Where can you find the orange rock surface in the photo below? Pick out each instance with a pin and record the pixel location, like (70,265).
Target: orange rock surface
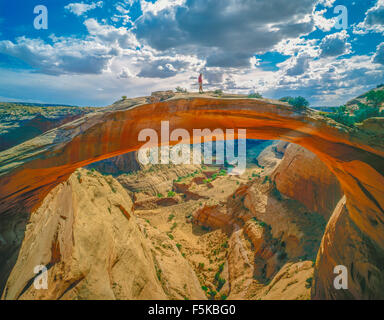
(303,177)
(30,170)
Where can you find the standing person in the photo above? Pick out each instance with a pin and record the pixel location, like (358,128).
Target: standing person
(201,83)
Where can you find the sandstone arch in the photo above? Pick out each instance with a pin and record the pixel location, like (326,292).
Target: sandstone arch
(30,170)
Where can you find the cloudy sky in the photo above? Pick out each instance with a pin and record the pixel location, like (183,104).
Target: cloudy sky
(93,52)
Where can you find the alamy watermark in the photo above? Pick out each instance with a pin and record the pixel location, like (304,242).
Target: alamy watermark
(41,20)
(341,280)
(41,280)
(182,153)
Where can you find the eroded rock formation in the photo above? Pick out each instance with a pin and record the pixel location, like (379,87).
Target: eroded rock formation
(30,170)
(86,235)
(303,177)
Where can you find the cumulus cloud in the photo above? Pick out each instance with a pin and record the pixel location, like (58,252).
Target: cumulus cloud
(299,66)
(80,8)
(321,22)
(108,34)
(163,68)
(374,20)
(379,56)
(64,56)
(226,32)
(159,5)
(335,45)
(125,74)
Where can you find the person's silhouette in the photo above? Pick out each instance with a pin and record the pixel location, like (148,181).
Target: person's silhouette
(201,83)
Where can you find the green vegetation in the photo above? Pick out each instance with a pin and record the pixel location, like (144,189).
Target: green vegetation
(350,117)
(267,179)
(170,236)
(173,226)
(170,217)
(204,288)
(297,102)
(201,265)
(363,112)
(30,110)
(171,194)
(218,279)
(223,297)
(158,272)
(261,223)
(218,91)
(255,95)
(159,195)
(179,246)
(376,98)
(124,97)
(212,294)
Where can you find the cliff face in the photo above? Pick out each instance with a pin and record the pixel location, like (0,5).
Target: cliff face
(93,246)
(302,176)
(31,170)
(344,244)
(121,164)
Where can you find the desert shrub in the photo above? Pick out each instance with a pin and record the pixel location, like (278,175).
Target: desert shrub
(298,102)
(204,288)
(181,90)
(255,95)
(218,91)
(171,194)
(212,294)
(158,273)
(363,112)
(266,179)
(223,297)
(170,217)
(260,223)
(159,195)
(170,236)
(375,97)
(124,97)
(220,284)
(201,265)
(178,245)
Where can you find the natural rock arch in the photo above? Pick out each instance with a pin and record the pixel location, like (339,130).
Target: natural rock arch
(30,170)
